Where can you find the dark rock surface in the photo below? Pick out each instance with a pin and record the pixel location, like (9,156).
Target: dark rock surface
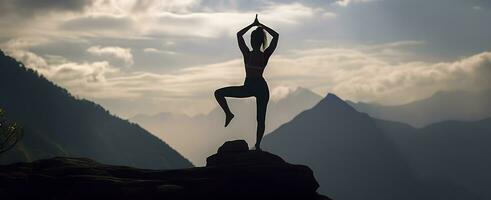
(233,173)
(237,152)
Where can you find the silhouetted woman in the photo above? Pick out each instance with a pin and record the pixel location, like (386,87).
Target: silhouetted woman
(254,85)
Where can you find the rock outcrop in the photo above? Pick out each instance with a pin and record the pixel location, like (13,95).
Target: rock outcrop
(233,173)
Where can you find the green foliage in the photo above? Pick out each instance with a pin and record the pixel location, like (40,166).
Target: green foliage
(10,133)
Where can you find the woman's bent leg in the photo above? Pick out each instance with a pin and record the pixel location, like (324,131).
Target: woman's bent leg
(233,91)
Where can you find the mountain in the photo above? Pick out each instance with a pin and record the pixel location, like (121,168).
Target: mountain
(233,172)
(442,106)
(379,159)
(57,124)
(349,154)
(452,153)
(198,136)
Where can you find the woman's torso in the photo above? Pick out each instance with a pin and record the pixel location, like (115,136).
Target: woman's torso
(255,63)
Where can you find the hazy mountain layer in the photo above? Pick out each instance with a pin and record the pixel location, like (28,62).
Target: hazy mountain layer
(447,156)
(442,106)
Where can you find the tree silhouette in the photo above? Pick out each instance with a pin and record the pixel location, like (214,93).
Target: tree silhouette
(10,133)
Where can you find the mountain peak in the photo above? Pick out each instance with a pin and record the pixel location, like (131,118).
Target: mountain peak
(334,105)
(332,97)
(333,100)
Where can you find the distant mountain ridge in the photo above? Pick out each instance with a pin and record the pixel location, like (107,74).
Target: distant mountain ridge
(349,155)
(57,124)
(448,156)
(355,156)
(442,106)
(207,131)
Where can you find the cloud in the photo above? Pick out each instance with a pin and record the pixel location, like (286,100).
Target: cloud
(348,2)
(179,6)
(355,60)
(98,22)
(218,24)
(123,54)
(53,4)
(351,73)
(153,50)
(29,59)
(32,7)
(18,48)
(149,19)
(359,73)
(73,73)
(280,92)
(83,79)
(364,76)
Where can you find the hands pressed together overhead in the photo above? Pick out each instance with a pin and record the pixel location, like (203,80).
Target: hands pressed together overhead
(256,22)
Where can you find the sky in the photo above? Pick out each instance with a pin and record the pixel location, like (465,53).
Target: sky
(144,57)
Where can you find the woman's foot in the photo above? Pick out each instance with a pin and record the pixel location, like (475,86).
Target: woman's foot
(228,118)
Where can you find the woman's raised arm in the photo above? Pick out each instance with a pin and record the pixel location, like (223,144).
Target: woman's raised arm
(272,46)
(240,39)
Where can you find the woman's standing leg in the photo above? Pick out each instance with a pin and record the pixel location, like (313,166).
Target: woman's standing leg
(233,91)
(261,106)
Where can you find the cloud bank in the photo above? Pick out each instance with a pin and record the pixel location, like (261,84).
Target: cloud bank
(168,55)
(121,53)
(357,73)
